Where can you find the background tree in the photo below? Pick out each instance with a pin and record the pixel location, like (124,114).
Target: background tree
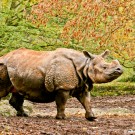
(15,30)
(93,25)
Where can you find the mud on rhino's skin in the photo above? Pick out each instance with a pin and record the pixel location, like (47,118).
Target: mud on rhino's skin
(47,76)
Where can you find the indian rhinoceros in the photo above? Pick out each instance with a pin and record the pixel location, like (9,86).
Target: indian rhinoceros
(47,76)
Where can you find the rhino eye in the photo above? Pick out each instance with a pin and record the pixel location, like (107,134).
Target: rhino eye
(104,67)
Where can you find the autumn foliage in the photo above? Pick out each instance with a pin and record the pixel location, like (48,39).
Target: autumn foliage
(92,24)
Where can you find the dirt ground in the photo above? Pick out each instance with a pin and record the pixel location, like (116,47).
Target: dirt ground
(115,116)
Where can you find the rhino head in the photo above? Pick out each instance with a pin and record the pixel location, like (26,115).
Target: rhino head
(99,71)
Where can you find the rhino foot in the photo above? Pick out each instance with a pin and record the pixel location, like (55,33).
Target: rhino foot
(91,118)
(60,116)
(22,114)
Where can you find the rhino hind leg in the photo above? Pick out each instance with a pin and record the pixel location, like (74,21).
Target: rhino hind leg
(16,101)
(61,99)
(5,83)
(84,99)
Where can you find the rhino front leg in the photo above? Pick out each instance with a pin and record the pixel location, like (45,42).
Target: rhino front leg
(84,99)
(61,99)
(17,102)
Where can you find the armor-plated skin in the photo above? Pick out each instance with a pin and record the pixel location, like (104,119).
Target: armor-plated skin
(49,76)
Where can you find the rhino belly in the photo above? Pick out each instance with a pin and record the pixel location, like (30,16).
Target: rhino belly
(41,96)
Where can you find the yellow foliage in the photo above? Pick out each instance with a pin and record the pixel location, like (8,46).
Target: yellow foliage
(121,9)
(5,4)
(123,41)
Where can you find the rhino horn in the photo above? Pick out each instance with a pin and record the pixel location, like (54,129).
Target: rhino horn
(89,55)
(105,53)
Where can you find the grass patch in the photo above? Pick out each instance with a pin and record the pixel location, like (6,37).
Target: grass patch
(128,79)
(113,89)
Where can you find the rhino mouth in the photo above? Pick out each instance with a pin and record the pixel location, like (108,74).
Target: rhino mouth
(115,74)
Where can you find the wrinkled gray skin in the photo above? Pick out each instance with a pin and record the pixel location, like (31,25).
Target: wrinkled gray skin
(45,77)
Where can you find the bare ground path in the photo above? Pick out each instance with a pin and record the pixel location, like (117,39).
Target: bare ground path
(116,116)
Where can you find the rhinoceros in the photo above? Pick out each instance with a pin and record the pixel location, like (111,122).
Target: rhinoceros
(47,76)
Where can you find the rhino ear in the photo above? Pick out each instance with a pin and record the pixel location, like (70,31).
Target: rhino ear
(105,54)
(89,55)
